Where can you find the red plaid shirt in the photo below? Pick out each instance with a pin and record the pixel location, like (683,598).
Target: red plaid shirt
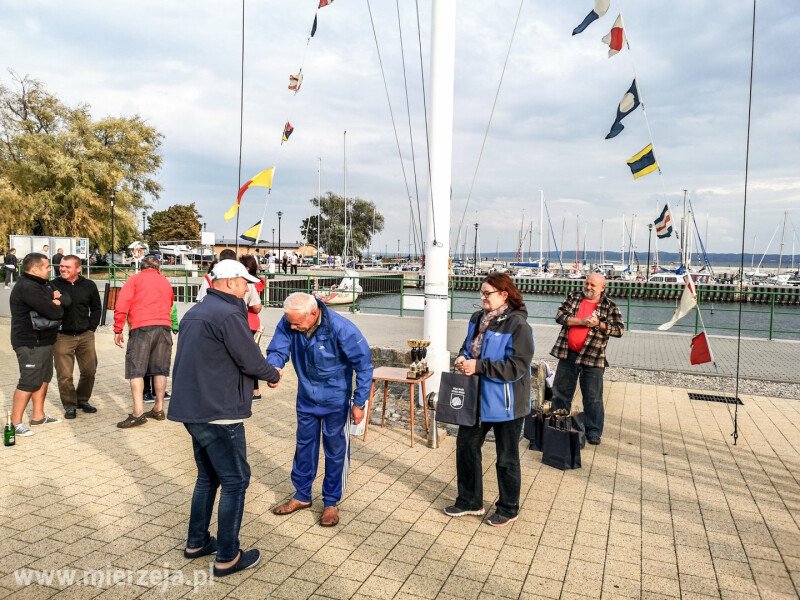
(593,353)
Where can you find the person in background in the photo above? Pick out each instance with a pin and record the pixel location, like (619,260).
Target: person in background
(226,254)
(252,300)
(285,262)
(498,349)
(76,337)
(10,266)
(33,344)
(588,319)
(294,260)
(145,303)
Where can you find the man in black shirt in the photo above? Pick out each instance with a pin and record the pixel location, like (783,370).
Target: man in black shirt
(10,260)
(76,337)
(36,313)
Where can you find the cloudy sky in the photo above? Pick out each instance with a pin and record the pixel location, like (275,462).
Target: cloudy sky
(177,64)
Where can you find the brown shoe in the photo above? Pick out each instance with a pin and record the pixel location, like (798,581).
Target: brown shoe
(158,415)
(330,517)
(132,421)
(290,506)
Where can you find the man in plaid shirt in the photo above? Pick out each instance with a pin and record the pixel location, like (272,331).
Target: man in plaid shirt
(587,318)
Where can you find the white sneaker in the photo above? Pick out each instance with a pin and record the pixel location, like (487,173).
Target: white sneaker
(22,429)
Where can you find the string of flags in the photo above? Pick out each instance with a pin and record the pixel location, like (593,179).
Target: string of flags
(643,162)
(265,177)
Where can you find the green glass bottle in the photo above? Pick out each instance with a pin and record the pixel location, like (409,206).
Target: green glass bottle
(9,437)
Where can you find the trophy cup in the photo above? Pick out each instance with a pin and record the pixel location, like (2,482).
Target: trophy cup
(424,356)
(412,368)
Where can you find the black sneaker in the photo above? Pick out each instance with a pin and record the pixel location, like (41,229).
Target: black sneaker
(70,413)
(247,560)
(149,398)
(594,440)
(167,395)
(497,520)
(87,408)
(455,511)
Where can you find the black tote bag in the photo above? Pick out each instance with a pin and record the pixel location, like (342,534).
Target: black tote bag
(561,445)
(533,429)
(457,403)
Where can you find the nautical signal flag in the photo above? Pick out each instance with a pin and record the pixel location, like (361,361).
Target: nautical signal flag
(628,104)
(687,303)
(314,27)
(600,8)
(287,131)
(263,179)
(252,234)
(295,81)
(616,37)
(323,3)
(663,223)
(643,162)
(701,351)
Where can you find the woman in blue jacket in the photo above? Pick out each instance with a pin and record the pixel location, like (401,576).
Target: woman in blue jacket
(498,349)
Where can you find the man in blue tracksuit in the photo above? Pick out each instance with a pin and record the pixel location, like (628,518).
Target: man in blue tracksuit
(325,349)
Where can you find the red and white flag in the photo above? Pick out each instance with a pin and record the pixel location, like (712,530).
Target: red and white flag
(688,302)
(295,81)
(616,37)
(323,3)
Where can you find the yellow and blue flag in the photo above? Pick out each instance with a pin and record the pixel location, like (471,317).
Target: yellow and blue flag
(252,234)
(643,162)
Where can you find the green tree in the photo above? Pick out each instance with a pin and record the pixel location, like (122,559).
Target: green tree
(178,222)
(363,221)
(58,167)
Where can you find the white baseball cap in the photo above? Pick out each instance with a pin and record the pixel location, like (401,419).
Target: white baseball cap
(230,269)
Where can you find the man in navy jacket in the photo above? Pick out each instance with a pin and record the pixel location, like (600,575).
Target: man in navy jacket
(216,363)
(325,349)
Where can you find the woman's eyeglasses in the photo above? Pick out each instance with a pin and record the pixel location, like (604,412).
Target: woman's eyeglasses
(487,294)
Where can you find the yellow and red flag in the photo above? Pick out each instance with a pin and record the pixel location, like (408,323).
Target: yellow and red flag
(263,179)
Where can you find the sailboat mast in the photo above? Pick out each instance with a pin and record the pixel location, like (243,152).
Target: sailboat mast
(602,242)
(319,204)
(344,171)
(783,234)
(437,243)
(622,255)
(541,227)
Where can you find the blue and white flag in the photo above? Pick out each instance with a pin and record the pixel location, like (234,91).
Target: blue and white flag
(629,103)
(600,8)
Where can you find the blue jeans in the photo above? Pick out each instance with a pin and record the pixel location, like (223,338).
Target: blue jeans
(220,452)
(568,374)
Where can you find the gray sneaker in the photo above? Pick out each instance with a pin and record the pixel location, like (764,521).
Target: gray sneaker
(22,429)
(45,421)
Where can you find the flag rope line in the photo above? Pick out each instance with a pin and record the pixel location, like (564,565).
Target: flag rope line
(241,129)
(389,102)
(427,135)
(410,135)
(489,123)
(735,432)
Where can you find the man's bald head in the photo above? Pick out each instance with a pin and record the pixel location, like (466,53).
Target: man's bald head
(594,287)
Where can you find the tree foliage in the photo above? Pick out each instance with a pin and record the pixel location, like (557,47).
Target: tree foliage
(58,167)
(363,221)
(178,222)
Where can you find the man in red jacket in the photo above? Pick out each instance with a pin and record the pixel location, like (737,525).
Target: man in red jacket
(145,302)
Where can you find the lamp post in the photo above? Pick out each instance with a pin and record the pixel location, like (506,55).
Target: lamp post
(113,199)
(280,214)
(649,238)
(273,239)
(144,222)
(475,250)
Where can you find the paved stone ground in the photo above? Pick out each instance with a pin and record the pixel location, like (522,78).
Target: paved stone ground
(665,507)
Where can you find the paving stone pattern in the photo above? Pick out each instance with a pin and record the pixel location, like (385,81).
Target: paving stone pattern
(665,507)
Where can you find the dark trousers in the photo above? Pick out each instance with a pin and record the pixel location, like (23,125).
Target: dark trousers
(294,269)
(220,452)
(66,350)
(469,467)
(568,374)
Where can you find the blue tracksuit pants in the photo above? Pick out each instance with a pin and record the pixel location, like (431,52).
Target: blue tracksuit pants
(334,424)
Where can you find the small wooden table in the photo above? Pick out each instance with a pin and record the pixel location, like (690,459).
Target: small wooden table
(396,375)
